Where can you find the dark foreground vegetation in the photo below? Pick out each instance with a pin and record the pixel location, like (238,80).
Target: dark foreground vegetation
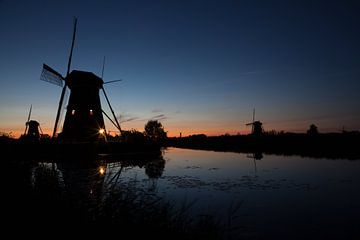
(319,145)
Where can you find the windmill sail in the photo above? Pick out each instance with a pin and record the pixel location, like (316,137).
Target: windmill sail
(63,108)
(112,111)
(50,75)
(67,74)
(27,122)
(119,80)
(116,123)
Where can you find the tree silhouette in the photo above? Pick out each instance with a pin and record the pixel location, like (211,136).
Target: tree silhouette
(133,136)
(313,130)
(154,130)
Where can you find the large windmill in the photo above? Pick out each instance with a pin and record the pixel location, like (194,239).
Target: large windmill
(83,120)
(256,126)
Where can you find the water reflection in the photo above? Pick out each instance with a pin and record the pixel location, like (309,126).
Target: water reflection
(85,191)
(155,168)
(83,181)
(89,180)
(283,193)
(101,170)
(46,179)
(256,156)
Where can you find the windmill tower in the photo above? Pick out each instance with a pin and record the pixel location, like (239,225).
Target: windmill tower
(83,120)
(256,126)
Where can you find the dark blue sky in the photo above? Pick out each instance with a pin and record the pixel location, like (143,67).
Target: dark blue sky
(198,66)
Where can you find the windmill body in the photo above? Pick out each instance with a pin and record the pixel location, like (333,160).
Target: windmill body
(257,128)
(33,129)
(83,120)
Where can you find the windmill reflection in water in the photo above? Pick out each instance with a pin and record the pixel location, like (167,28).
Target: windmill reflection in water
(90,181)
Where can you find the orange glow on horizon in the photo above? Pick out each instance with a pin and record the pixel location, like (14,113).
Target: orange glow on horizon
(187,128)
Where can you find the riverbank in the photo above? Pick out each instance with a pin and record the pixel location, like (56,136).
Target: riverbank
(331,145)
(56,150)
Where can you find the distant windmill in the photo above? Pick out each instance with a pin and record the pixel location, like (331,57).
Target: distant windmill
(256,126)
(32,128)
(83,120)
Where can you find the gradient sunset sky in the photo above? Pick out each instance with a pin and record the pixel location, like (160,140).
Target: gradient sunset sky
(197,66)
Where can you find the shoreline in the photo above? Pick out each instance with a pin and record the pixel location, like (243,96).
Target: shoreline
(332,145)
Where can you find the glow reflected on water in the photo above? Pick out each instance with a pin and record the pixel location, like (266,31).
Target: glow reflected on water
(101,170)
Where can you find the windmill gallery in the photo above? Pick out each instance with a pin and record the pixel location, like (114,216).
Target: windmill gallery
(83,128)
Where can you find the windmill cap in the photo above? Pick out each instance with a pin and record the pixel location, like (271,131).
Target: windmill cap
(33,122)
(82,78)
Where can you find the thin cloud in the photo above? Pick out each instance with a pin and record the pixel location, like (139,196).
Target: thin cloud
(159,117)
(124,118)
(129,119)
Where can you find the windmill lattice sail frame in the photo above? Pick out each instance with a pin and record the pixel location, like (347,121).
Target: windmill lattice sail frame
(50,75)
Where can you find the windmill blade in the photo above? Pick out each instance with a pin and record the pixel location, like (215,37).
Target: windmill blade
(110,120)
(59,110)
(248,124)
(50,75)
(102,74)
(67,74)
(119,80)
(103,67)
(63,107)
(29,113)
(26,124)
(112,111)
(72,47)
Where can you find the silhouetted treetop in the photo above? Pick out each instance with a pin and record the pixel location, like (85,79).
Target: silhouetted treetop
(154,130)
(313,130)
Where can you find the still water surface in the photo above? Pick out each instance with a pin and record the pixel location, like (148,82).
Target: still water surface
(283,196)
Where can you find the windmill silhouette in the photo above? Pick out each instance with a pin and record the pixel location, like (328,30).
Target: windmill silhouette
(83,120)
(256,126)
(32,128)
